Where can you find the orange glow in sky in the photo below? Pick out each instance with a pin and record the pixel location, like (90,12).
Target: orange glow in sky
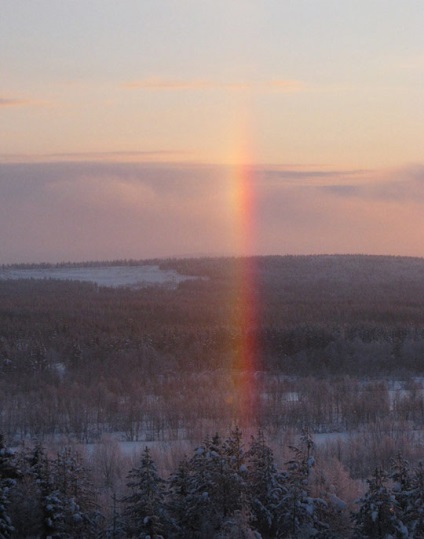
(118,138)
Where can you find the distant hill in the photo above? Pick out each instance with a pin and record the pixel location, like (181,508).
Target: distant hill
(317,314)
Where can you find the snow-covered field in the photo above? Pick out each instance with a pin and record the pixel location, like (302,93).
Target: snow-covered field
(114,276)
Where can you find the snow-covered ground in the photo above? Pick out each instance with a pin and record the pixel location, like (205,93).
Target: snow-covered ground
(114,276)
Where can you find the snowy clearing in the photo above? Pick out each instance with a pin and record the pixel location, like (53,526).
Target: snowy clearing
(113,276)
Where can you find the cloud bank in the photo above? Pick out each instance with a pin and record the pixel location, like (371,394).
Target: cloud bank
(83,210)
(159,84)
(13,102)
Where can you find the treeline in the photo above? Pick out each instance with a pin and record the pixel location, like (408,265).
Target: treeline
(321,350)
(375,419)
(319,327)
(80,360)
(224,490)
(82,264)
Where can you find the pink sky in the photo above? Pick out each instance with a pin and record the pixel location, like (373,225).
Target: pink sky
(93,210)
(119,122)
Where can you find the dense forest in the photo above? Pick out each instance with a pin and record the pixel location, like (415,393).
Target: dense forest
(339,343)
(224,490)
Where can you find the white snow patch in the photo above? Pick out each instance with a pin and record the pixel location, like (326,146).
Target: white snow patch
(113,276)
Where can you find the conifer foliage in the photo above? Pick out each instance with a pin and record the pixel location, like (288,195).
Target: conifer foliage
(8,474)
(145,513)
(378,515)
(69,506)
(393,505)
(266,488)
(52,497)
(223,491)
(209,491)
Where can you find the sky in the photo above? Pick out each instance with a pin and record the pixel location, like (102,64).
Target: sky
(132,128)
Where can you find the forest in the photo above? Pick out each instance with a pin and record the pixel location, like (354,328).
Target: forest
(135,392)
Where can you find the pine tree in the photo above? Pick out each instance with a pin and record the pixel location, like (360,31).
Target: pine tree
(415,519)
(69,505)
(205,505)
(29,492)
(8,475)
(234,487)
(331,515)
(116,527)
(145,507)
(213,483)
(179,500)
(265,486)
(402,490)
(378,515)
(300,514)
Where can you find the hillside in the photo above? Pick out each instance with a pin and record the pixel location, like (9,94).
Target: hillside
(358,314)
(336,344)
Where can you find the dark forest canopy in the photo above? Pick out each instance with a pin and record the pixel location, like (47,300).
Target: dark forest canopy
(322,313)
(339,345)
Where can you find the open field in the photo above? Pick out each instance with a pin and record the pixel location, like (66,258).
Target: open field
(113,276)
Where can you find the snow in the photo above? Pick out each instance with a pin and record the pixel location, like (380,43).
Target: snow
(337,502)
(112,276)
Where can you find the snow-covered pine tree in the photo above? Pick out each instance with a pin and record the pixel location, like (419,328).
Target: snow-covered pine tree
(204,505)
(116,526)
(8,474)
(69,505)
(28,494)
(145,512)
(234,451)
(178,500)
(216,488)
(234,488)
(235,495)
(378,514)
(265,487)
(402,489)
(415,517)
(300,514)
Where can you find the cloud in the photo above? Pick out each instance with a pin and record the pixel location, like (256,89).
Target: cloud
(82,210)
(159,84)
(314,175)
(404,185)
(14,102)
(102,157)
(284,85)
(167,84)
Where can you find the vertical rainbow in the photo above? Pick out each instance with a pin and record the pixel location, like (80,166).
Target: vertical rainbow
(245,304)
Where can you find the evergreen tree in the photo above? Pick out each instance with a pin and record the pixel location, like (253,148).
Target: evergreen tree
(116,527)
(28,495)
(178,504)
(333,519)
(234,487)
(8,475)
(214,486)
(378,515)
(265,487)
(69,505)
(145,507)
(415,516)
(300,514)
(402,490)
(204,503)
